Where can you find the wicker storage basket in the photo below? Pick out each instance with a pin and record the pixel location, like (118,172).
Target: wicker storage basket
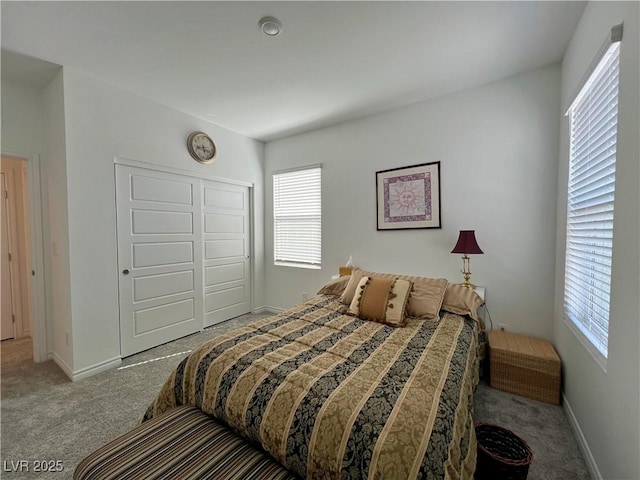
(502,455)
(524,365)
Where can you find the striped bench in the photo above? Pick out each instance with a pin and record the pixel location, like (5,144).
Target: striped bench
(183,443)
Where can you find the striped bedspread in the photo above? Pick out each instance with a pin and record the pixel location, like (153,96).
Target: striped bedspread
(331,396)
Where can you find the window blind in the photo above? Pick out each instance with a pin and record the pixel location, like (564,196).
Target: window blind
(590,201)
(297,217)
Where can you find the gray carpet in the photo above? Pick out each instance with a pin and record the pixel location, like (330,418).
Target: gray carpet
(544,427)
(47,417)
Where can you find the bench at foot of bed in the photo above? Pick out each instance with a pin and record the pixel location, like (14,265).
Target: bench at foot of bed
(183,443)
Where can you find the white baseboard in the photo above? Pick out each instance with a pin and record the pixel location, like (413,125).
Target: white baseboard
(582,441)
(62,364)
(97,368)
(87,371)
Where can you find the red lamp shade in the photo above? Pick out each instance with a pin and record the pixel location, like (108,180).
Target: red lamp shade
(467,243)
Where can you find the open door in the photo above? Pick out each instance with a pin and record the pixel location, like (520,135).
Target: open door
(7,327)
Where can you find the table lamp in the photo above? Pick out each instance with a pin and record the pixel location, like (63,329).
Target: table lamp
(467,245)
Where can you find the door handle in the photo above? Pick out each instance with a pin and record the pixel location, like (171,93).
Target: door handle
(125,271)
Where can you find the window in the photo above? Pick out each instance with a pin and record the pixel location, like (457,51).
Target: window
(297,217)
(591,190)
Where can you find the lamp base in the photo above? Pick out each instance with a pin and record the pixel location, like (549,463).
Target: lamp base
(466,273)
(467,284)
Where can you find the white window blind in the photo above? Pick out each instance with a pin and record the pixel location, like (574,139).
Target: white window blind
(297,217)
(591,191)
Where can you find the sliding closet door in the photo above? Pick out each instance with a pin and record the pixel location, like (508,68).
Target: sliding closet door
(159,257)
(226,251)
(183,255)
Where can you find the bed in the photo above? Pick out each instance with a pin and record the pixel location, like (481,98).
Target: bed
(332,395)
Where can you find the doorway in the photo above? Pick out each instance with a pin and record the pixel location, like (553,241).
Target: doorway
(22,294)
(16,291)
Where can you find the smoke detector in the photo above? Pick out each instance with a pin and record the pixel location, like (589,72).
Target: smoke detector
(270,26)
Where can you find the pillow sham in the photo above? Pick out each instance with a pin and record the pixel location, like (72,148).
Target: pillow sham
(462,300)
(426,296)
(335,286)
(382,300)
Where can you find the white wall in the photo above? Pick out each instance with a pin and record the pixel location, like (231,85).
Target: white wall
(56,233)
(606,405)
(103,122)
(21,118)
(497,145)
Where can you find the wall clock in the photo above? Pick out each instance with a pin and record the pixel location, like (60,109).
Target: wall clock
(201,147)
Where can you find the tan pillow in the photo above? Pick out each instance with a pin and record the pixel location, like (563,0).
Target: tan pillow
(382,300)
(350,289)
(425,299)
(461,300)
(335,286)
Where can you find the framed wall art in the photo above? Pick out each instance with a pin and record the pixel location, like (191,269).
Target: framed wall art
(409,197)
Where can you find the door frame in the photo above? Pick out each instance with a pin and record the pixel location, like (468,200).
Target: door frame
(38,310)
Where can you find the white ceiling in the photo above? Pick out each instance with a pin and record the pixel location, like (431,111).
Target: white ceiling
(332,62)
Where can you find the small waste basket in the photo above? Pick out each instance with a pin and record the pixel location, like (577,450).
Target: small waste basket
(502,455)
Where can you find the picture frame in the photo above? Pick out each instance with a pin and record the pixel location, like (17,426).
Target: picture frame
(408,197)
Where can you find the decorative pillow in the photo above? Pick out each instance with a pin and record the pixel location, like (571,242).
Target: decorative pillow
(335,286)
(425,299)
(461,300)
(350,289)
(382,300)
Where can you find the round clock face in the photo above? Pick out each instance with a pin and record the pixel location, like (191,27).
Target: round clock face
(201,147)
